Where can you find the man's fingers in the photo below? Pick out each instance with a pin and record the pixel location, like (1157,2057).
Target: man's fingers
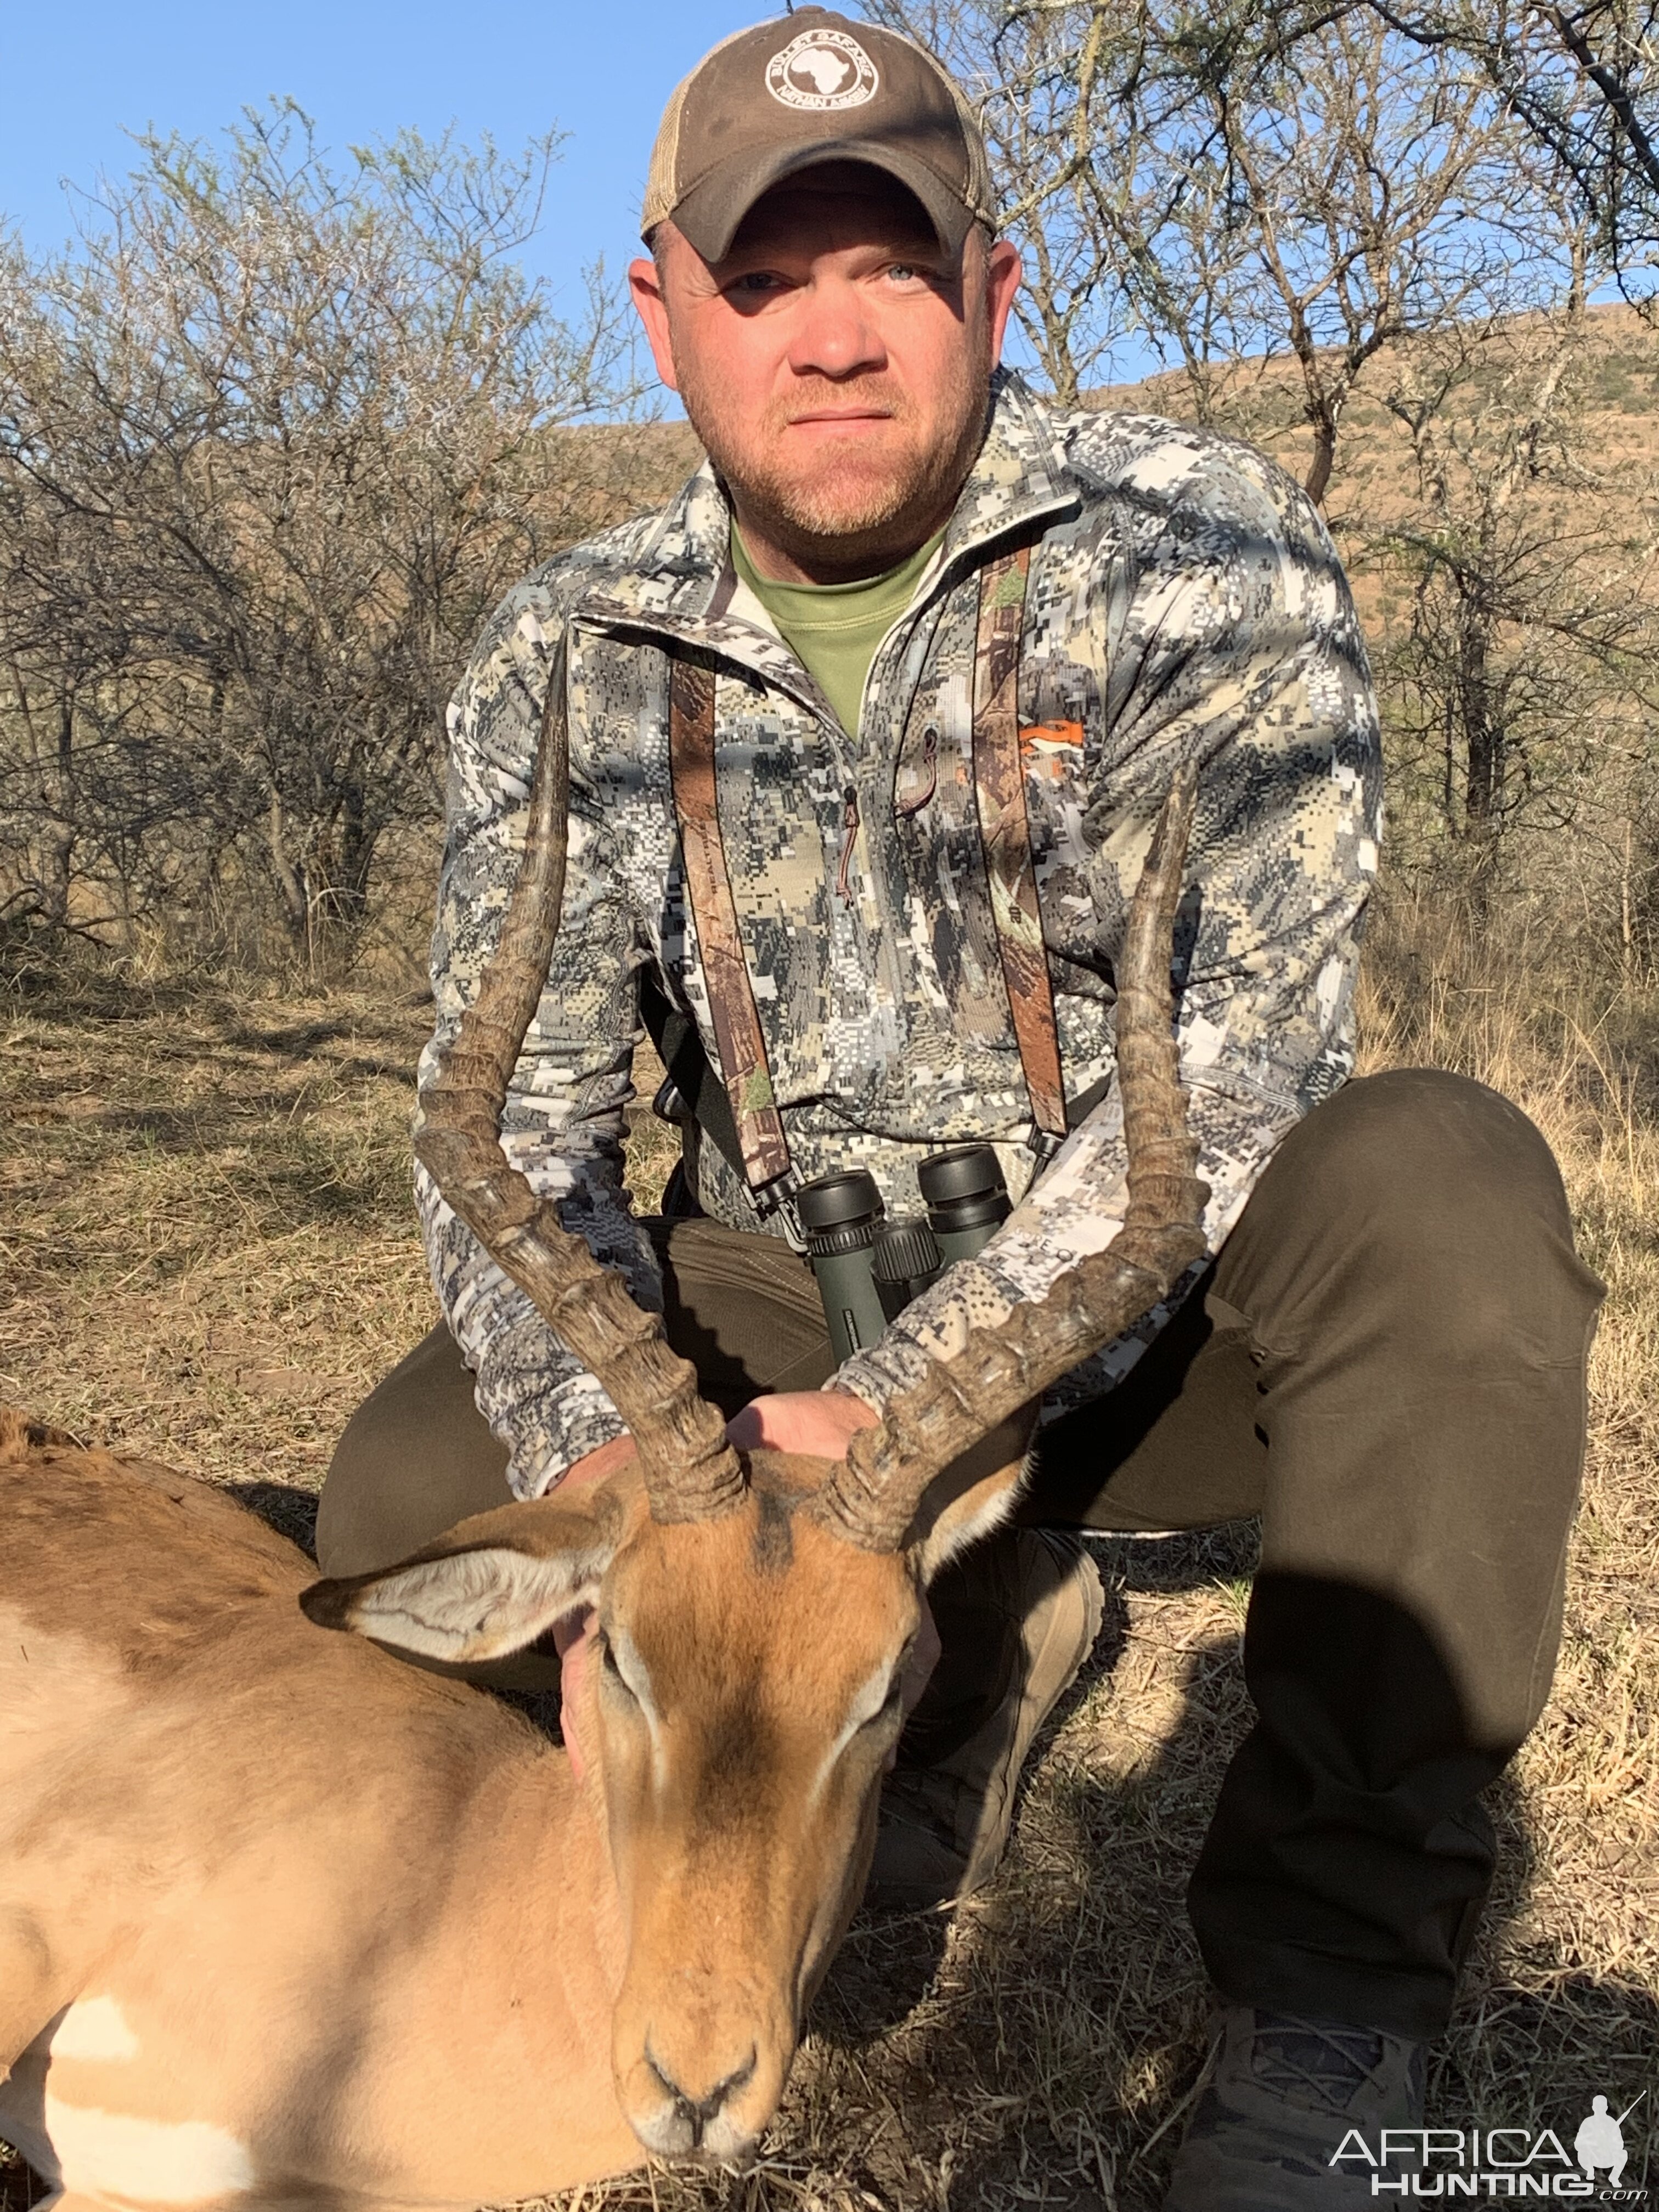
(820,1422)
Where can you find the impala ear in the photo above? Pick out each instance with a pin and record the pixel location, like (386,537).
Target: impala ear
(491,1586)
(973,1495)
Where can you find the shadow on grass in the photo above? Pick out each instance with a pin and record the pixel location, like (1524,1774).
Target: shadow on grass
(305,1041)
(380,1038)
(323,1196)
(284,1506)
(1061,2032)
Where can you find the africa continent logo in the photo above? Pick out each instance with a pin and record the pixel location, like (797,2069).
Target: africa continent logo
(820,69)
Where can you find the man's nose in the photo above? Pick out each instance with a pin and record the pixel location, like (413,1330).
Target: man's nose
(836,334)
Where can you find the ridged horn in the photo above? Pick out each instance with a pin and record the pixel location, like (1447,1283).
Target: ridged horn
(691,1472)
(872,1498)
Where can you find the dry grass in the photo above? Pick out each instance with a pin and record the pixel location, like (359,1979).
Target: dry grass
(208,1251)
(207,1221)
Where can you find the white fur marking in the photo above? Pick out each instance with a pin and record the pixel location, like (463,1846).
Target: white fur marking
(636,1676)
(871,1696)
(94,2028)
(990,1514)
(154,2161)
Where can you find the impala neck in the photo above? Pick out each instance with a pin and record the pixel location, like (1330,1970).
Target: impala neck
(524,1962)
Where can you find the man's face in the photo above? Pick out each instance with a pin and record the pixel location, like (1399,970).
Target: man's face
(836,364)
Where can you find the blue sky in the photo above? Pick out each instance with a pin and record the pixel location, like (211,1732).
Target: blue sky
(74,79)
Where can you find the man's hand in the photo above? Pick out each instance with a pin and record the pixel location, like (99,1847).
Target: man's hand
(819,1423)
(597,1465)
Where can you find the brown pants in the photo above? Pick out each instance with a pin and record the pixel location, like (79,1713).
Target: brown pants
(1387,1364)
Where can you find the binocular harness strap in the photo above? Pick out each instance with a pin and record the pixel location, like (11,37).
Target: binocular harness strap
(738,1035)
(1006,832)
(1005,829)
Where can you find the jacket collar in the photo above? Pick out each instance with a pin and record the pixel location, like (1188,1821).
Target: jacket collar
(679,585)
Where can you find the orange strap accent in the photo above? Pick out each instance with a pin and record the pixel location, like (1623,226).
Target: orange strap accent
(1004,829)
(738,1035)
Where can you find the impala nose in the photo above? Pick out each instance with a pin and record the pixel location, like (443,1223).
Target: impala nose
(691,2122)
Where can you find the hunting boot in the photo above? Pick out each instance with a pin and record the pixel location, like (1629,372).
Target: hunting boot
(1017,1617)
(1280,2098)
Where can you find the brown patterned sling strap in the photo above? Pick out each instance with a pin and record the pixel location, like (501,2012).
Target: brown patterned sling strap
(1005,829)
(738,1039)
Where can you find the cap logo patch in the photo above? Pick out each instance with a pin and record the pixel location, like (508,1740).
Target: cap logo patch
(822,69)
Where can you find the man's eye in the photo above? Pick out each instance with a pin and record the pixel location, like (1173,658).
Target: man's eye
(757,280)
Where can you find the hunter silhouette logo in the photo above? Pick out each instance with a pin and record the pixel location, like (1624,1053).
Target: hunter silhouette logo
(822,69)
(1600,2140)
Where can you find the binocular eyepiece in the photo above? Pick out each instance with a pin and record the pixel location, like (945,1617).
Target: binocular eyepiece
(869,1268)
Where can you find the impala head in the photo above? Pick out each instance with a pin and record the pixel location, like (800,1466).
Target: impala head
(746,1705)
(741,1708)
(755,1612)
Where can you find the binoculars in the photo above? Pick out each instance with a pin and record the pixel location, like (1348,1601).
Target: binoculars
(869,1268)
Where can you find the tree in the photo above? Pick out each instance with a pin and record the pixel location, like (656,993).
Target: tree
(1519,686)
(1583,83)
(272,442)
(1366,200)
(1232,194)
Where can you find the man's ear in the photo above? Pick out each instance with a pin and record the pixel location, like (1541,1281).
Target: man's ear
(973,1495)
(1002,275)
(490,1587)
(645,282)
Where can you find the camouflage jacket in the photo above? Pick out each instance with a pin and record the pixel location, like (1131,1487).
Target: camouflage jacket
(1184,602)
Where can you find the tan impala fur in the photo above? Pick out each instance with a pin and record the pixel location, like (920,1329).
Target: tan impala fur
(287,1923)
(284,1922)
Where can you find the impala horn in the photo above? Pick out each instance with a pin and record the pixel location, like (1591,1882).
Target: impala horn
(691,1472)
(871,1499)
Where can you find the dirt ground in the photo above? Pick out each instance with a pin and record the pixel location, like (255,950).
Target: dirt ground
(208,1252)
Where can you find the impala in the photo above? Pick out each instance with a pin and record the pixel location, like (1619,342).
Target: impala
(285,1924)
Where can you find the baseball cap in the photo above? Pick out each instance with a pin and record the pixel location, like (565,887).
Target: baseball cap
(805,88)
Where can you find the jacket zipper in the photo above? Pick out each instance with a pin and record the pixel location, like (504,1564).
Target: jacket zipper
(849,838)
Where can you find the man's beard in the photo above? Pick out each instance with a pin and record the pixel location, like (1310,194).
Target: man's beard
(848,507)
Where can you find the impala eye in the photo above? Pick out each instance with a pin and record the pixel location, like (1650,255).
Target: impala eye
(890,1705)
(611,1673)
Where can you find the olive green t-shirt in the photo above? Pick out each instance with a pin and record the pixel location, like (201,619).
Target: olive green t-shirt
(837,627)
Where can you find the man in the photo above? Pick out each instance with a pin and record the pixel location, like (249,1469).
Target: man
(869,728)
